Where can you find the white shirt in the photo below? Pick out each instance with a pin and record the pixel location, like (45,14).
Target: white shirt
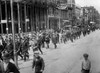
(86,64)
(5,66)
(12,61)
(0,42)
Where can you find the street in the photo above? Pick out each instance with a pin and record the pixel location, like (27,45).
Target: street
(49,36)
(67,57)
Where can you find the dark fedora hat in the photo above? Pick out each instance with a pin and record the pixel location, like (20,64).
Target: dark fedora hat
(85,55)
(6,56)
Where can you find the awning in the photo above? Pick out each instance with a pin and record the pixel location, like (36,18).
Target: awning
(92,22)
(62,6)
(66,20)
(68,26)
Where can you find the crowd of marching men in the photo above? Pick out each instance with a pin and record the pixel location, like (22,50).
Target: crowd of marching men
(39,40)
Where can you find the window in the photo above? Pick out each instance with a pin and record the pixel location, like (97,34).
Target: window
(0,29)
(3,10)
(8,11)
(15,11)
(9,27)
(4,28)
(22,12)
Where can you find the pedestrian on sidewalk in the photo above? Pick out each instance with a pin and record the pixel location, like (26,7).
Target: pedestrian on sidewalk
(86,64)
(54,40)
(38,63)
(6,66)
(39,43)
(47,40)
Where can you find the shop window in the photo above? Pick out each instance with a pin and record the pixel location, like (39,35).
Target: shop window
(4,28)
(23,27)
(8,11)
(22,13)
(15,9)
(9,27)
(3,10)
(0,29)
(16,27)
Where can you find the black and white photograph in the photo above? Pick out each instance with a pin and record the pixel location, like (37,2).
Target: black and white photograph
(49,36)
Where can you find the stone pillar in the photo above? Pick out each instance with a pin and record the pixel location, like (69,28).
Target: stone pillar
(19,27)
(25,17)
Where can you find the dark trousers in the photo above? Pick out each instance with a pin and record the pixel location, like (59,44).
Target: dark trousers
(1,56)
(55,45)
(43,45)
(26,55)
(38,72)
(19,54)
(47,44)
(39,48)
(85,71)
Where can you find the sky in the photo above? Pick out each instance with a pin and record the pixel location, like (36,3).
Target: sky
(95,3)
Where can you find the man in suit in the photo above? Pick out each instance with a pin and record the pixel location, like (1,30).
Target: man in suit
(38,63)
(6,66)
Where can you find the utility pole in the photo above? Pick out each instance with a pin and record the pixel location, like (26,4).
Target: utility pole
(13,33)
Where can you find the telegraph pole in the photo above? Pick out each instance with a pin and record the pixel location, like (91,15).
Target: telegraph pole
(13,33)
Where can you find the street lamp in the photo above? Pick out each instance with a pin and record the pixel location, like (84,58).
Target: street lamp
(19,29)
(6,29)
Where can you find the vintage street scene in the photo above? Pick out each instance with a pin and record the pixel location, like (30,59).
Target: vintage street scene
(49,36)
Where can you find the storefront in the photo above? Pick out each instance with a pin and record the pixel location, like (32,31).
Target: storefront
(27,16)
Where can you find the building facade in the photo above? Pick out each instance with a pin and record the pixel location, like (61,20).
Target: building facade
(28,16)
(35,15)
(61,14)
(90,14)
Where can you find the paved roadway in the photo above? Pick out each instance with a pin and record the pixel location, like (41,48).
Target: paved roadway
(67,57)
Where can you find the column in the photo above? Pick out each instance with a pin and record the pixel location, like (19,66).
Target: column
(35,25)
(36,16)
(21,20)
(45,14)
(1,18)
(25,18)
(19,27)
(47,20)
(31,17)
(59,19)
(6,16)
(40,10)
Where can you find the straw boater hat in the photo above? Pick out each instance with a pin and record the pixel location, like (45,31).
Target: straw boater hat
(36,52)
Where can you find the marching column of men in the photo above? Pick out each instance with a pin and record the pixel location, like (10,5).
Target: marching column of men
(40,39)
(22,43)
(22,46)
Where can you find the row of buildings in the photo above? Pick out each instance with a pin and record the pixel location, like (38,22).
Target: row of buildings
(35,15)
(28,16)
(90,15)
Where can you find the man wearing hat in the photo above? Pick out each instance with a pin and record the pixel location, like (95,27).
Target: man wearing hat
(86,64)
(6,66)
(38,63)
